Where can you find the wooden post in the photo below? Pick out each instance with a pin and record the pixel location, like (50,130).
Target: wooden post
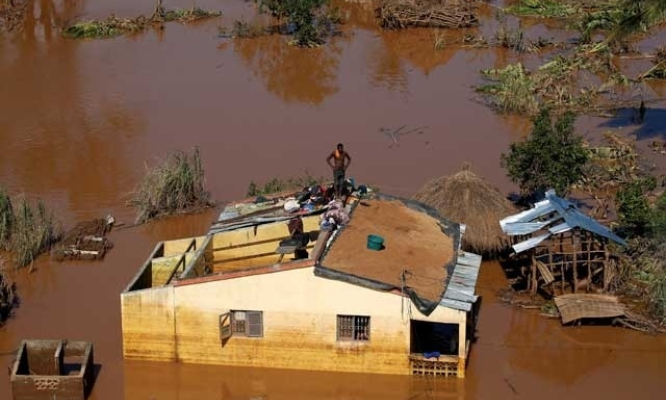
(533,280)
(462,346)
(589,267)
(606,266)
(573,263)
(563,261)
(590,246)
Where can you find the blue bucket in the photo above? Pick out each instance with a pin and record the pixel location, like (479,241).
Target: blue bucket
(375,242)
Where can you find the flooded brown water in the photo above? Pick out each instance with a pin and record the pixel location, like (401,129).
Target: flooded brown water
(80,118)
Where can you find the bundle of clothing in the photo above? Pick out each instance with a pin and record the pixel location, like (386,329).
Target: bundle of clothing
(334,217)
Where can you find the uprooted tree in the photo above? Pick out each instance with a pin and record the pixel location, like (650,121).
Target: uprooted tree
(551,157)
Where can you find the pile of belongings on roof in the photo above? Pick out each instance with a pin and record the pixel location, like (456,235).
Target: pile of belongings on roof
(87,240)
(315,199)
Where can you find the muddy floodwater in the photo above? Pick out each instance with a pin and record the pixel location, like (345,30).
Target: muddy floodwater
(80,119)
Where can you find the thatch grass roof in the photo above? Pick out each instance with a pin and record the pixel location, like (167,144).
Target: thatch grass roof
(468,199)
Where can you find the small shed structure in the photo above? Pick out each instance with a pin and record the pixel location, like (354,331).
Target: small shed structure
(567,249)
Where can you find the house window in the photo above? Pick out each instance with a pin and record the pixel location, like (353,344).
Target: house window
(353,327)
(247,323)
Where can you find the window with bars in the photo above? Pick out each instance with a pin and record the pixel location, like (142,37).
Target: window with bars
(245,323)
(354,328)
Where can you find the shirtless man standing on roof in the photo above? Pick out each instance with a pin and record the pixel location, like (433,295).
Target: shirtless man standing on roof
(339,160)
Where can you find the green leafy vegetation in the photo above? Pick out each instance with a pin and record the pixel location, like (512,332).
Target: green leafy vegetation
(643,275)
(277,185)
(175,185)
(544,8)
(563,83)
(632,204)
(512,91)
(552,156)
(308,20)
(113,26)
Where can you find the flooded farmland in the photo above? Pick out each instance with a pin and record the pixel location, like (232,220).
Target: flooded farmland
(79,120)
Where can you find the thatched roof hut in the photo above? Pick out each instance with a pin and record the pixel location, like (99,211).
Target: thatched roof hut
(468,199)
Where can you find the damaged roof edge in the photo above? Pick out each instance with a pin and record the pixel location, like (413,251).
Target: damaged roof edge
(461,290)
(459,286)
(568,216)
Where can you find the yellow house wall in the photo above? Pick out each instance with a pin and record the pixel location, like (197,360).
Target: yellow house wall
(149,324)
(299,321)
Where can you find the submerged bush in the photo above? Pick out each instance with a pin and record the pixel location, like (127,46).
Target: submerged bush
(544,8)
(6,220)
(308,19)
(512,90)
(113,26)
(35,232)
(643,275)
(24,231)
(7,293)
(175,185)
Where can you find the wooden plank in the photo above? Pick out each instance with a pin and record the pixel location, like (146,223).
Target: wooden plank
(545,272)
(573,307)
(261,233)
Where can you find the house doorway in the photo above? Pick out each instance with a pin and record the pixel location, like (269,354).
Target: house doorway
(433,339)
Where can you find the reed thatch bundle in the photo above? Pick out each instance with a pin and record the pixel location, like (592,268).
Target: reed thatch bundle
(468,199)
(401,14)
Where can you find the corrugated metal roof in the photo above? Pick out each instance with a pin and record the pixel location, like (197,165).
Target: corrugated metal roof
(540,209)
(560,228)
(568,216)
(530,243)
(461,291)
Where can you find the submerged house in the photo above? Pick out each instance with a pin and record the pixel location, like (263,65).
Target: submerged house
(246,295)
(566,250)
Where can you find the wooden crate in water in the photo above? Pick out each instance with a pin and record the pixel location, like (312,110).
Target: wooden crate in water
(53,369)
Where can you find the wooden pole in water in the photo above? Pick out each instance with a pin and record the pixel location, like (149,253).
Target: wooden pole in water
(462,346)
(589,269)
(574,263)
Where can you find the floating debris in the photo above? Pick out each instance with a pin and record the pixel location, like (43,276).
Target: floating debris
(113,26)
(87,240)
(566,83)
(658,71)
(401,14)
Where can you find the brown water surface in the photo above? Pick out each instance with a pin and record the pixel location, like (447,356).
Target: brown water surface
(79,120)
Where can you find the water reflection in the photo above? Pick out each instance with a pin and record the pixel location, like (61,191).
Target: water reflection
(293,74)
(165,381)
(563,356)
(63,136)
